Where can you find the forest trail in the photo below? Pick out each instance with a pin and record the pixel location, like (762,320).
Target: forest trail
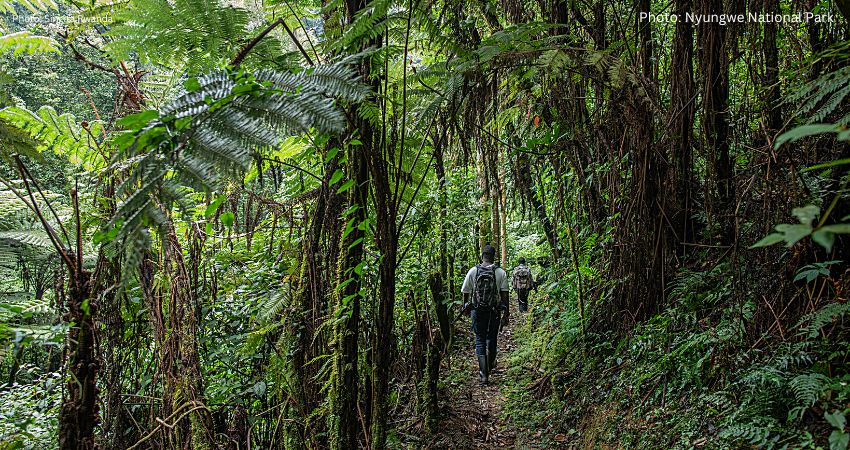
(472,418)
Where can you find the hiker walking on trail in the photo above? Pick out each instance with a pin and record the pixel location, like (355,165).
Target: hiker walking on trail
(485,297)
(522,282)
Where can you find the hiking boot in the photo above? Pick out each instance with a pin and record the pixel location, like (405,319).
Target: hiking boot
(491,364)
(482,370)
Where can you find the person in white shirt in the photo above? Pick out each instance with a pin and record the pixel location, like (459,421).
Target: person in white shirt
(485,297)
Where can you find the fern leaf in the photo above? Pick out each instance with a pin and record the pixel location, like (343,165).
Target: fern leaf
(807,388)
(24,42)
(196,35)
(60,133)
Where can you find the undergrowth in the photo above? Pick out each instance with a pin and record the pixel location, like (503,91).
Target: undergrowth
(691,377)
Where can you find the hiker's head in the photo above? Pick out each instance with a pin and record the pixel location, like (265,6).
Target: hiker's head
(522,260)
(488,253)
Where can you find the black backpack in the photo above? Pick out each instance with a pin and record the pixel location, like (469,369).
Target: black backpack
(485,292)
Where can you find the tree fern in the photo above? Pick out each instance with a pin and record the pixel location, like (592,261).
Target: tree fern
(214,130)
(370,22)
(20,234)
(13,140)
(196,35)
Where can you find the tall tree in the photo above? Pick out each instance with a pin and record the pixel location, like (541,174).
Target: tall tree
(714,65)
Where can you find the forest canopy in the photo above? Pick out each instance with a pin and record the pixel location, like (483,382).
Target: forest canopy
(242,224)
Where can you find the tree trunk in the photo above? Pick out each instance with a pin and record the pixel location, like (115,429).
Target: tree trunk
(714,62)
(771,65)
(184,386)
(682,94)
(386,240)
(344,395)
(503,211)
(484,216)
(644,30)
(80,412)
(526,185)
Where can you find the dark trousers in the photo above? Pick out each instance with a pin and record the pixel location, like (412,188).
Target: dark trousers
(485,325)
(522,296)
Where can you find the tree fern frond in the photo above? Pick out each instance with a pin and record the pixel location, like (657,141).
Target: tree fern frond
(368,23)
(13,140)
(34,238)
(197,35)
(60,133)
(24,42)
(821,97)
(331,80)
(215,129)
(159,86)
(270,307)
(225,148)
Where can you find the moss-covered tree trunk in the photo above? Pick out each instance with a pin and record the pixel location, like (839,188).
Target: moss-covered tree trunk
(190,419)
(344,424)
(80,412)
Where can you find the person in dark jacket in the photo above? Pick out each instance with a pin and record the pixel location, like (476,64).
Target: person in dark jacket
(522,281)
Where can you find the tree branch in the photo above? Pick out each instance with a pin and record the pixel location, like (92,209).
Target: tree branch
(237,61)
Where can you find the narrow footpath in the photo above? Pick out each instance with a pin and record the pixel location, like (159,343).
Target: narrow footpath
(472,414)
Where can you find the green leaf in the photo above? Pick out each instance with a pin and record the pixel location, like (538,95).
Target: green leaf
(806,214)
(793,233)
(108,235)
(227,219)
(805,131)
(807,275)
(826,165)
(138,120)
(25,42)
(213,206)
(836,419)
(838,440)
(336,177)
(356,241)
(770,239)
(350,210)
(192,85)
(838,228)
(345,186)
(259,388)
(824,238)
(331,154)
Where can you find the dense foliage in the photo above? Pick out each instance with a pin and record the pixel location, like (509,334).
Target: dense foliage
(245,224)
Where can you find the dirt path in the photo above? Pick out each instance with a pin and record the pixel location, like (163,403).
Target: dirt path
(472,414)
